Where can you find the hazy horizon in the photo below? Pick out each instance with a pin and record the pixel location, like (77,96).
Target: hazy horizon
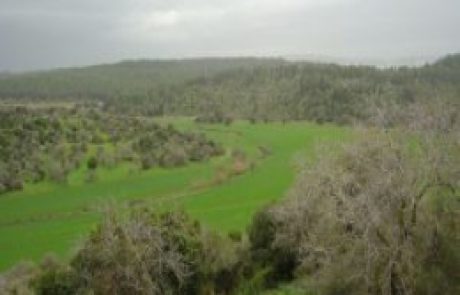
(409,61)
(37,35)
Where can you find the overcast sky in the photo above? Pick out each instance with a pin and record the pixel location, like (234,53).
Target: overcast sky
(38,34)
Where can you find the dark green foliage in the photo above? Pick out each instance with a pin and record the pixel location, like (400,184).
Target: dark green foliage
(279,262)
(92,163)
(148,161)
(261,234)
(235,236)
(55,278)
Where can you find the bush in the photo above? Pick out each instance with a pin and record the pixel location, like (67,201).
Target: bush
(13,183)
(17,279)
(147,162)
(92,163)
(57,172)
(235,236)
(136,256)
(173,157)
(149,253)
(279,262)
(168,147)
(55,279)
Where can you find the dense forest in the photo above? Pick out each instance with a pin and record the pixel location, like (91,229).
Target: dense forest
(256,89)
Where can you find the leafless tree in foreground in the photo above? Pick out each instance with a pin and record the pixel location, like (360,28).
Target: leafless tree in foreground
(382,216)
(132,257)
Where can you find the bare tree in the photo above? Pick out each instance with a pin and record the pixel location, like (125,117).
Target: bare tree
(369,219)
(132,257)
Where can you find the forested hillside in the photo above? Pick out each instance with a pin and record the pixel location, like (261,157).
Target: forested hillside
(106,82)
(256,89)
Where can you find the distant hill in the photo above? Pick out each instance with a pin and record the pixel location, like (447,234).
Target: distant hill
(451,60)
(256,88)
(136,77)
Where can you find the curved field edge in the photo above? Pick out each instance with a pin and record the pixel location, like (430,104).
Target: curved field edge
(48,217)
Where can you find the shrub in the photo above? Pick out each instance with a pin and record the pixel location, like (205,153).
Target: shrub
(235,236)
(278,261)
(148,253)
(57,172)
(173,157)
(92,163)
(55,279)
(147,161)
(13,183)
(17,279)
(132,256)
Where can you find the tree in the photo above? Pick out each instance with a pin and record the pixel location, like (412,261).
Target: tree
(364,221)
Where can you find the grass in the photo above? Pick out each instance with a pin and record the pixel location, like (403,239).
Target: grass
(49,217)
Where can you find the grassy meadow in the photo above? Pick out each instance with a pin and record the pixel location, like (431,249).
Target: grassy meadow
(49,217)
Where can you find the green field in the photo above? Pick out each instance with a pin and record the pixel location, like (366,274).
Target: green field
(48,217)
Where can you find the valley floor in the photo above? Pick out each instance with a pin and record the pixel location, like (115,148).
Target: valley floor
(48,217)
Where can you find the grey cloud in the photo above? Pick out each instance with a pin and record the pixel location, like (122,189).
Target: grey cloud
(49,33)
